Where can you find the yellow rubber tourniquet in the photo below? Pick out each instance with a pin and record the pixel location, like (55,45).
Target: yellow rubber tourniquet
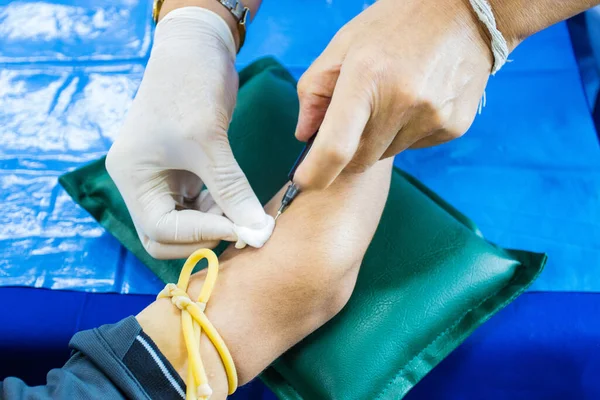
(193,320)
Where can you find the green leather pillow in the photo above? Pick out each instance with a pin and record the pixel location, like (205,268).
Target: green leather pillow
(427,281)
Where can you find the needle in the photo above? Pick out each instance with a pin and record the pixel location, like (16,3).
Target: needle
(290,194)
(293,189)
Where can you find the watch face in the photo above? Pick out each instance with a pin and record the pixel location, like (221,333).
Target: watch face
(236,7)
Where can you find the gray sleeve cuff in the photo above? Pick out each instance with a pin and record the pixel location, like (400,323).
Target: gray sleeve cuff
(116,361)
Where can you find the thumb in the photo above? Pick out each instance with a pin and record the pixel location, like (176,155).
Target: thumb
(164,231)
(340,133)
(230,189)
(315,89)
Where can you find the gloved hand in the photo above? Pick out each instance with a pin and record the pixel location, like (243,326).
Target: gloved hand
(172,161)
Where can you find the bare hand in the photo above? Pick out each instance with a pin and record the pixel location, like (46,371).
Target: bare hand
(402,74)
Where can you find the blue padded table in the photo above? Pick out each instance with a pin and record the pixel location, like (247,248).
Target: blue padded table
(528,173)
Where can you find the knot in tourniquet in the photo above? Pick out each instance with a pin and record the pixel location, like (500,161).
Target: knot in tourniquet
(194,322)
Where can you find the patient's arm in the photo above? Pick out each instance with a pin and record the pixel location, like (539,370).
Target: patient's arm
(266,300)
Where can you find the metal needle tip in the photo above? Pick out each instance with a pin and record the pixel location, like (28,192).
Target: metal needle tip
(277,216)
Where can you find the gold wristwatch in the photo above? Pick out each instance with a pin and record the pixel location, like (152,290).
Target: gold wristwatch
(235,7)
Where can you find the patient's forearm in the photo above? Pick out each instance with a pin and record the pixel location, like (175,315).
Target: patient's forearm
(266,300)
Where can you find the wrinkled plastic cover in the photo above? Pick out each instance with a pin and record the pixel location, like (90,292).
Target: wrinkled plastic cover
(528,172)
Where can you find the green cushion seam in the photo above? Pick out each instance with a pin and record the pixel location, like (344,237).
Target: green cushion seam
(111,219)
(487,316)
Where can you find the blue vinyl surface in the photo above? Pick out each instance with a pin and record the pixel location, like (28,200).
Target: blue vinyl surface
(528,172)
(542,346)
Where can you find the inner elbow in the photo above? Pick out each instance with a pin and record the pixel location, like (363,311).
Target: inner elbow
(338,293)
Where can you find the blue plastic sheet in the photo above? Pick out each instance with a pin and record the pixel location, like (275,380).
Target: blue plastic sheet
(527,172)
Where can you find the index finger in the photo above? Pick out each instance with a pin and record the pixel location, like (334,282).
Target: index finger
(339,135)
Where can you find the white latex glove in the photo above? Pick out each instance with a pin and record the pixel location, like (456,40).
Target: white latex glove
(174,142)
